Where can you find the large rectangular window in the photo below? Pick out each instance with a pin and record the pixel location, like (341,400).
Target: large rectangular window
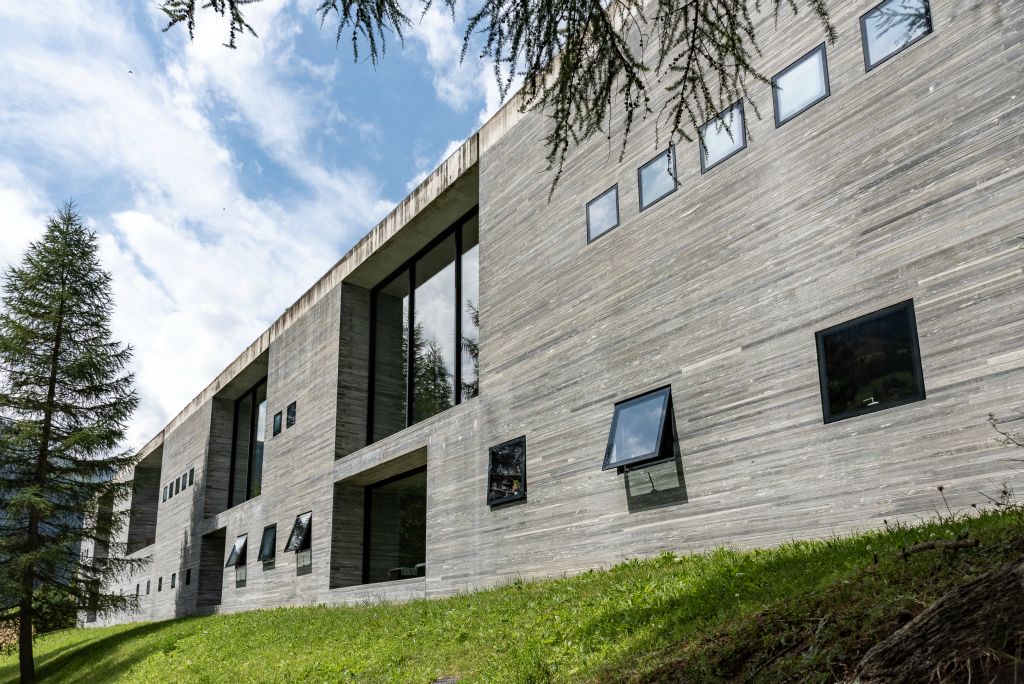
(425,317)
(892,26)
(801,85)
(395,520)
(722,137)
(870,363)
(246,476)
(642,431)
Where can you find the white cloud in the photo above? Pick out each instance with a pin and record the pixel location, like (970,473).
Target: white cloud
(23,214)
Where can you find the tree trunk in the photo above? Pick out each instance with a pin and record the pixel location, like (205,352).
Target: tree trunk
(973,632)
(25,660)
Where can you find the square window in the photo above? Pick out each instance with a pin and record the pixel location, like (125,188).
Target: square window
(174,577)
(290,415)
(870,363)
(506,475)
(237,555)
(191,476)
(188,576)
(722,137)
(277,423)
(298,540)
(657,178)
(801,85)
(603,213)
(892,26)
(643,430)
(268,544)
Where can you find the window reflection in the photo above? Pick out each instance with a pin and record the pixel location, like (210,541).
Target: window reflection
(395,541)
(603,213)
(870,363)
(246,476)
(433,336)
(801,85)
(391,357)
(641,430)
(470,310)
(723,137)
(657,178)
(892,26)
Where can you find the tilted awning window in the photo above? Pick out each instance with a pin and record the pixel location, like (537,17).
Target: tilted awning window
(298,540)
(268,545)
(642,430)
(237,555)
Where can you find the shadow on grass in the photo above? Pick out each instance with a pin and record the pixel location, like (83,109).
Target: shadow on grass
(103,658)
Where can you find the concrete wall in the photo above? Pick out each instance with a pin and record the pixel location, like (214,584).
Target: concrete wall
(906,183)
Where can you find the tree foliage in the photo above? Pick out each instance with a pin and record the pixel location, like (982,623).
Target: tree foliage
(65,398)
(582,63)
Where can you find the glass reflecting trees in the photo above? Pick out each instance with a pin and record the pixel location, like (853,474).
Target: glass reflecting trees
(246,479)
(892,26)
(425,333)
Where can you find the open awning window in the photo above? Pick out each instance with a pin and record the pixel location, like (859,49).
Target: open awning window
(237,555)
(298,540)
(268,544)
(642,431)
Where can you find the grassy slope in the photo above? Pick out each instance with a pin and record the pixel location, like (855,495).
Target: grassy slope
(806,610)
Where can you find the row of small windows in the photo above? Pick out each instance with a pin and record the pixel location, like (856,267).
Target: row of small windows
(887,29)
(299,541)
(160,582)
(179,485)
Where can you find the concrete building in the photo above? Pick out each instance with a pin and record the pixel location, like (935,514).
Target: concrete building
(798,331)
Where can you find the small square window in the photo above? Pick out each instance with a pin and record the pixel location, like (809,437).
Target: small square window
(191,476)
(643,430)
(506,476)
(657,178)
(801,85)
(299,539)
(290,420)
(277,423)
(268,544)
(892,26)
(603,213)
(237,555)
(722,137)
(188,576)
(174,578)
(870,363)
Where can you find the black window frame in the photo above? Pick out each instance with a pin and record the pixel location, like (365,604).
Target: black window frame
(291,414)
(188,576)
(191,476)
(160,583)
(702,148)
(868,66)
(177,486)
(666,425)
(147,587)
(795,63)
(491,452)
(165,495)
(304,542)
(174,577)
(618,213)
(254,410)
(915,355)
(263,555)
(276,430)
(671,152)
(239,552)
(408,269)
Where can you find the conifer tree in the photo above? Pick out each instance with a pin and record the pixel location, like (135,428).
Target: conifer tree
(65,398)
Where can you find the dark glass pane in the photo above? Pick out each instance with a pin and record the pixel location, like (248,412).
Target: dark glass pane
(300,532)
(657,178)
(290,416)
(637,428)
(237,555)
(240,451)
(871,364)
(397,534)
(470,309)
(434,332)
(191,476)
(390,357)
(506,479)
(892,26)
(277,423)
(259,437)
(603,213)
(268,544)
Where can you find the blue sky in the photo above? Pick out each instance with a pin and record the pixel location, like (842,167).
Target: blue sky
(222,183)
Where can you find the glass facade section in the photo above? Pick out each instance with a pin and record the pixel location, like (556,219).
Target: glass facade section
(246,480)
(470,310)
(396,528)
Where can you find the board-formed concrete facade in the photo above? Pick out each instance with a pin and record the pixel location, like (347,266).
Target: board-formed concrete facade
(906,183)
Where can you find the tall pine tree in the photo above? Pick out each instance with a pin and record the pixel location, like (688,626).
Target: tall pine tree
(65,398)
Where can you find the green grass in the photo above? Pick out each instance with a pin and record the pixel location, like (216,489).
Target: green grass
(805,611)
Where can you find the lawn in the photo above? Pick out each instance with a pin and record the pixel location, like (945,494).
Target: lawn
(806,611)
